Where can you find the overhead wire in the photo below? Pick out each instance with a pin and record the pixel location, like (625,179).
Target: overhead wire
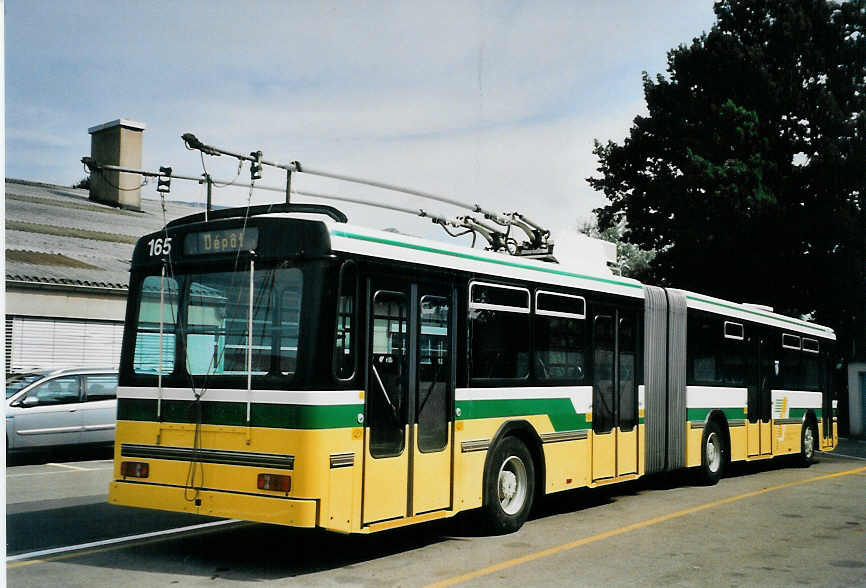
(110,183)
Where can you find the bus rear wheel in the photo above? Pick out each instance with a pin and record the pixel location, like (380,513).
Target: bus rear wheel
(509,486)
(713,454)
(807,444)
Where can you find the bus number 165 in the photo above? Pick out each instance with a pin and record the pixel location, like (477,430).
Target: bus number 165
(159,246)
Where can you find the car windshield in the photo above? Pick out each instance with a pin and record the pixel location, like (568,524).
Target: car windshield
(16,382)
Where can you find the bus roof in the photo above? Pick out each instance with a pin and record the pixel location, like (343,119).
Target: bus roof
(579,271)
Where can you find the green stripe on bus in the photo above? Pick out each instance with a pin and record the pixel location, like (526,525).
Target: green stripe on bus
(798,413)
(481,259)
(275,416)
(136,409)
(457,254)
(559,410)
(760,314)
(699,414)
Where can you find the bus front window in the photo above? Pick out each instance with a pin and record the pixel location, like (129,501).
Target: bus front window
(226,328)
(218,322)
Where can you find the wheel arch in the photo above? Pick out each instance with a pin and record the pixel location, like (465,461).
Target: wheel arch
(527,434)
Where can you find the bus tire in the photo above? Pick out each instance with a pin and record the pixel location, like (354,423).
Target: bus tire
(509,486)
(807,444)
(713,454)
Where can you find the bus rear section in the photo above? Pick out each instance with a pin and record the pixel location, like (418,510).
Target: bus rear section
(202,456)
(219,409)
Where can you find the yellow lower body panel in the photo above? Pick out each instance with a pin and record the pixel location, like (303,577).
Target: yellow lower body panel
(830,443)
(264,509)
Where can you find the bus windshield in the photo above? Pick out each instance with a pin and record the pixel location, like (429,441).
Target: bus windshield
(243,322)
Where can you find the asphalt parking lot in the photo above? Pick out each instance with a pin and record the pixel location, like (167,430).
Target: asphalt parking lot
(766,523)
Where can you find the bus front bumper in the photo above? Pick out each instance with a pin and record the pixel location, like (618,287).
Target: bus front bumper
(265,509)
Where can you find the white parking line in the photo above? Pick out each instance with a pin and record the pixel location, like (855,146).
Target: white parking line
(835,454)
(56,550)
(60,472)
(71,467)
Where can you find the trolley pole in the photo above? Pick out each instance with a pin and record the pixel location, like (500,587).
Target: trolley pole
(209,180)
(288,186)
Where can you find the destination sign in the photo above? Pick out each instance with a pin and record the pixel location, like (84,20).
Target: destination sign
(221,241)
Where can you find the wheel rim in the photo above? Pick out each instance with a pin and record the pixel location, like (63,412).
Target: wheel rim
(808,443)
(512,484)
(714,452)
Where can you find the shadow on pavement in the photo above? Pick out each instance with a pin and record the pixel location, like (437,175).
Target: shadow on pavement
(59,455)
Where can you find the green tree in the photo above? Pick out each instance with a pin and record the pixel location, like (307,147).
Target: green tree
(633,261)
(748,174)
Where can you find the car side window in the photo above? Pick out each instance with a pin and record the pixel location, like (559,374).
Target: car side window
(63,390)
(101,387)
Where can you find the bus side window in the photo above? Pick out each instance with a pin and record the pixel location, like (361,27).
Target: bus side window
(155,331)
(810,365)
(790,370)
(704,340)
(560,337)
(499,331)
(344,344)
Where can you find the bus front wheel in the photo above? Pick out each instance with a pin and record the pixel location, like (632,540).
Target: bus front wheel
(509,486)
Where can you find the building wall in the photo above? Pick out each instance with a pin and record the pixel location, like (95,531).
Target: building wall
(72,303)
(54,328)
(857,398)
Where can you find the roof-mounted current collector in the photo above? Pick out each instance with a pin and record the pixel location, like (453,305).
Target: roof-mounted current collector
(496,229)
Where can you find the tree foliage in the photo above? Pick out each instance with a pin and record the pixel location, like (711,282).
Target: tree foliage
(748,174)
(633,262)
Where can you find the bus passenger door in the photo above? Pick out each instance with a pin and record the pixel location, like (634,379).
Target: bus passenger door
(430,463)
(386,458)
(603,398)
(614,391)
(627,417)
(758,426)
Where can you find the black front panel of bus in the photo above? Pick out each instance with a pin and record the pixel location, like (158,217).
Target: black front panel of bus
(270,238)
(279,243)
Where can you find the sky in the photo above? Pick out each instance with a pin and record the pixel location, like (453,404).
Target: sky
(490,102)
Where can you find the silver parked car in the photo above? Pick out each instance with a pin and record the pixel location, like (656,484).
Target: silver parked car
(51,408)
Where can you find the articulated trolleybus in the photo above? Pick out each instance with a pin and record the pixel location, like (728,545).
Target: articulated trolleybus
(283,366)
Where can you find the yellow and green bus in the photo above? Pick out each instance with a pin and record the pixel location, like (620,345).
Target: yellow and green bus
(281,365)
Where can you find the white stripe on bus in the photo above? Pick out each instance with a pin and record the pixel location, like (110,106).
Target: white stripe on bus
(304,397)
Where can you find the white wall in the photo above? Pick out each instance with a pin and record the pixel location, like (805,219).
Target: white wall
(63,304)
(856,399)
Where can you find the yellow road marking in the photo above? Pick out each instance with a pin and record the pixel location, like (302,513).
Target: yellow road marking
(633,527)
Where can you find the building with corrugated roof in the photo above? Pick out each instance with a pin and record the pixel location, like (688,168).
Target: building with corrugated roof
(68,254)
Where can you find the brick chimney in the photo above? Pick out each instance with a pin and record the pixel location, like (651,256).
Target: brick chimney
(117,143)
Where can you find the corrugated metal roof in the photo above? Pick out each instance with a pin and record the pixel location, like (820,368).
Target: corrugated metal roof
(45,221)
